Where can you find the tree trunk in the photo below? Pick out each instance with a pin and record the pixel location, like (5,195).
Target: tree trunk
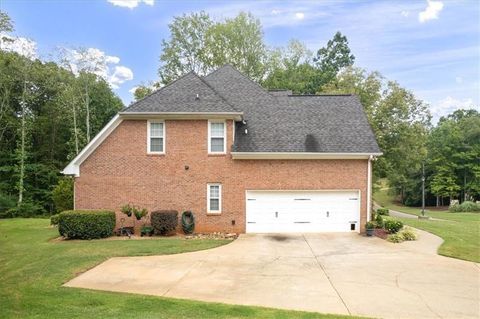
(465,196)
(75,126)
(438,201)
(22,147)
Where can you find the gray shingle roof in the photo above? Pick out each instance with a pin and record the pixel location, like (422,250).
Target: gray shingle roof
(181,96)
(276,121)
(289,123)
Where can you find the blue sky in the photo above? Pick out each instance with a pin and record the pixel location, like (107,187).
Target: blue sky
(429,47)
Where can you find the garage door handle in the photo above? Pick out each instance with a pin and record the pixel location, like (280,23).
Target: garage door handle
(276,214)
(328,214)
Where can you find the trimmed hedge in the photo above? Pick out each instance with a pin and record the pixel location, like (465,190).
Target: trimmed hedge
(54,219)
(383,211)
(86,224)
(164,221)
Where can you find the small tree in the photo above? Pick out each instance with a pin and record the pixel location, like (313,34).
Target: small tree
(63,194)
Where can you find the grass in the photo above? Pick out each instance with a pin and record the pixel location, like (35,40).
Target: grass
(460,231)
(33,269)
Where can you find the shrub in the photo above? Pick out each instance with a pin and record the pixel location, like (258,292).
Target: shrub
(408,234)
(86,224)
(379,221)
(466,206)
(393,226)
(54,219)
(62,194)
(26,209)
(395,238)
(383,211)
(164,221)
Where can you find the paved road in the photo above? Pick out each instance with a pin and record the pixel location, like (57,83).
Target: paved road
(328,273)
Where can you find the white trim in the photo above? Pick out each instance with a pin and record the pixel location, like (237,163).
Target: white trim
(300,155)
(73,168)
(369,189)
(224,136)
(183,115)
(149,122)
(219,211)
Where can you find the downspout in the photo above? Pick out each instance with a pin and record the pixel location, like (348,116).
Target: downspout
(369,189)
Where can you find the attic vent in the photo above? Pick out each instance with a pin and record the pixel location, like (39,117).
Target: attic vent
(197,97)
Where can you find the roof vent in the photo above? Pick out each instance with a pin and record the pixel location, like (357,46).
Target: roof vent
(197,97)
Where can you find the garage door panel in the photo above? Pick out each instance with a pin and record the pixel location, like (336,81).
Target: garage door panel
(302,211)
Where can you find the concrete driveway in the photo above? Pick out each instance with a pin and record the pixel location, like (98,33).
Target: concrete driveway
(328,273)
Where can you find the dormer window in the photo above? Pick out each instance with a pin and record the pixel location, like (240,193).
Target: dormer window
(156,137)
(216,137)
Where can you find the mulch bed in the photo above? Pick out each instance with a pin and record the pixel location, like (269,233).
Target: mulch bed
(381,233)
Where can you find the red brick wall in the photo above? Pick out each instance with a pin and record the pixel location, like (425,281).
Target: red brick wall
(119,171)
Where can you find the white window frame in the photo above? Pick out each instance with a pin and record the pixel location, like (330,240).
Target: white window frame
(219,211)
(224,136)
(149,137)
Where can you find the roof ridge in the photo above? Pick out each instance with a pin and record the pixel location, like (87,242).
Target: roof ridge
(158,90)
(215,91)
(243,75)
(320,95)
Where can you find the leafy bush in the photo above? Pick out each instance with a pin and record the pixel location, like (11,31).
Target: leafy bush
(395,238)
(86,224)
(164,221)
(383,211)
(466,206)
(379,221)
(408,234)
(62,194)
(26,209)
(370,225)
(393,226)
(54,219)
(6,202)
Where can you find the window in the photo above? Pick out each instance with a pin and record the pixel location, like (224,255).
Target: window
(214,198)
(156,137)
(216,137)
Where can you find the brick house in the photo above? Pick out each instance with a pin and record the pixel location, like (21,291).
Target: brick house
(243,159)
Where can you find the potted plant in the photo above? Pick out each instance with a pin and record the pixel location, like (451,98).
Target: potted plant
(370,228)
(127,210)
(139,214)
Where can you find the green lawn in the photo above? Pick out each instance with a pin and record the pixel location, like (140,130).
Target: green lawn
(460,231)
(33,269)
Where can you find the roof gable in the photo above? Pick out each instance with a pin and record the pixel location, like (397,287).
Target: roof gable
(189,93)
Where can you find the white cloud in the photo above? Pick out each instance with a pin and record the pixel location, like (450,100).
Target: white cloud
(276,11)
(459,79)
(133,89)
(120,75)
(449,105)
(431,11)
(405,13)
(299,15)
(98,62)
(22,46)
(131,3)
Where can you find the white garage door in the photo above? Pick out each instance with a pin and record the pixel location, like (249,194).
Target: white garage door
(302,211)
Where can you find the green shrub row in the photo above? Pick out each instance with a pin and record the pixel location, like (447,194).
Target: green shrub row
(466,206)
(86,224)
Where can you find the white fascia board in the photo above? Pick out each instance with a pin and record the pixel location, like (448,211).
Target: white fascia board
(73,168)
(237,116)
(300,155)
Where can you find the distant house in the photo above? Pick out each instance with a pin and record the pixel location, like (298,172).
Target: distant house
(243,159)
